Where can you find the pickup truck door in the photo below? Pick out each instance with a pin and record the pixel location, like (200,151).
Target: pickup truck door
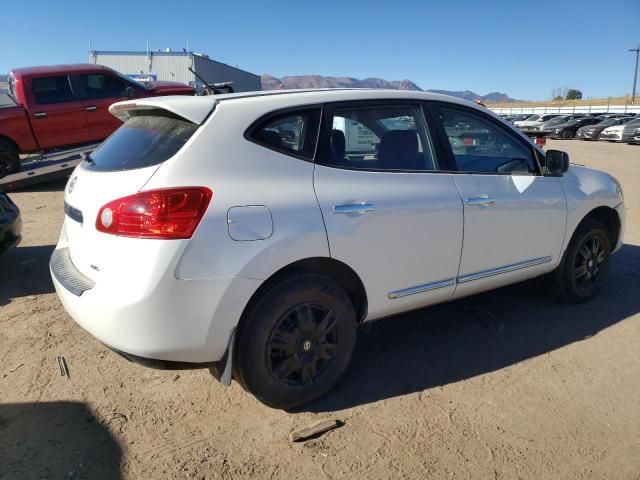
(514,218)
(56,112)
(100,90)
(389,212)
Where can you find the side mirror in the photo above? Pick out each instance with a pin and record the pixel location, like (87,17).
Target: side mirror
(130,92)
(557,162)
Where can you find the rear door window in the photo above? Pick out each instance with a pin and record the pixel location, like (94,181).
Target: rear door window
(52,89)
(386,137)
(147,138)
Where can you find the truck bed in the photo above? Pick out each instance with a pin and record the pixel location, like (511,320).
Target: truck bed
(6,101)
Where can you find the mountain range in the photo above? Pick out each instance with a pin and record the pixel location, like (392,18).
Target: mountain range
(270,82)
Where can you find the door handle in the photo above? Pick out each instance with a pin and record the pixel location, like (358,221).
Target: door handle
(354,208)
(40,114)
(92,108)
(480,201)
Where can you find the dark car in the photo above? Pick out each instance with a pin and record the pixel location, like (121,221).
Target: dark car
(635,137)
(548,126)
(630,128)
(568,129)
(10,223)
(591,132)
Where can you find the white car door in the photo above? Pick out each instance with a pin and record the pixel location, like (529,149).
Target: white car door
(389,213)
(514,218)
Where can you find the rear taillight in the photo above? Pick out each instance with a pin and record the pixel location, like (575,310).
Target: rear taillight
(170,213)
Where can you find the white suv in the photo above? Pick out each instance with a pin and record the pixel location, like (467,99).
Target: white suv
(252,233)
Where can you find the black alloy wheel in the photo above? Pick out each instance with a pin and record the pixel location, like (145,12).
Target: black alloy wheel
(588,263)
(303,344)
(296,340)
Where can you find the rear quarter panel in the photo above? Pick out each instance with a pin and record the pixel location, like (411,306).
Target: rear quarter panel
(15,126)
(242,173)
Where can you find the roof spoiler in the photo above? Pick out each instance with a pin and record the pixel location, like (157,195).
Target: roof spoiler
(193,109)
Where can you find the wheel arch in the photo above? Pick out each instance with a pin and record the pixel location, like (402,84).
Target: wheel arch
(10,141)
(608,217)
(338,271)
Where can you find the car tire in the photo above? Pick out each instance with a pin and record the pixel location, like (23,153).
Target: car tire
(584,265)
(296,341)
(567,135)
(9,159)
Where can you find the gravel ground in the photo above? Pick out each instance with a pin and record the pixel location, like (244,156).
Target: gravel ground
(534,389)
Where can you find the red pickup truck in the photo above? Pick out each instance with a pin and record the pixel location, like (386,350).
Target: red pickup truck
(65,106)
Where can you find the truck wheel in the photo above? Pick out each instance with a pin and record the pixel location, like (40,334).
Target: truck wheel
(584,266)
(296,341)
(9,159)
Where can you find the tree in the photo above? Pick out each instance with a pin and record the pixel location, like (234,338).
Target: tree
(573,94)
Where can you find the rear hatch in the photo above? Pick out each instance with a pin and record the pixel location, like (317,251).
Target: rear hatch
(119,167)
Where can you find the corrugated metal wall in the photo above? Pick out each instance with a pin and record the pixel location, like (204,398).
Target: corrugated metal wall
(214,72)
(174,66)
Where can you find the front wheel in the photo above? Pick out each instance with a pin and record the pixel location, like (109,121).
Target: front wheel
(296,341)
(579,276)
(567,134)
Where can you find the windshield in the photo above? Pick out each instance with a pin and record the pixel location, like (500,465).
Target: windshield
(533,118)
(607,123)
(130,80)
(148,138)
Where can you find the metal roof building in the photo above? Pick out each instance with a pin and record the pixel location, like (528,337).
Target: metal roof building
(168,65)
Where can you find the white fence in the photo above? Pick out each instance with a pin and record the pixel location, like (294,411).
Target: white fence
(571,109)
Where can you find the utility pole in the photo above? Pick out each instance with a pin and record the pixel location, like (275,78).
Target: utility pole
(635,74)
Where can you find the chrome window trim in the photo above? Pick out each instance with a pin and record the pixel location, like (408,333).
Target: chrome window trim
(504,269)
(422,288)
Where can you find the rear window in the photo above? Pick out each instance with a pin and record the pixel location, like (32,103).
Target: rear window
(146,139)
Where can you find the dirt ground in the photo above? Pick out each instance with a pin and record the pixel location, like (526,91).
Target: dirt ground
(535,389)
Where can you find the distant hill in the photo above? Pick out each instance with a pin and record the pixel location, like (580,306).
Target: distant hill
(270,82)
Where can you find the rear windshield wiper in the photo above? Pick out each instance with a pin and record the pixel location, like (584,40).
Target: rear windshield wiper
(86,156)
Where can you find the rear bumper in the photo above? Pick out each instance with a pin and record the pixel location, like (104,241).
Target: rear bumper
(165,319)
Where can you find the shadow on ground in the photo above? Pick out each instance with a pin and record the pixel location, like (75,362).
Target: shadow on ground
(24,271)
(459,340)
(56,440)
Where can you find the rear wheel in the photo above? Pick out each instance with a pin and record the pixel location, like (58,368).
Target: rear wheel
(296,342)
(9,159)
(579,276)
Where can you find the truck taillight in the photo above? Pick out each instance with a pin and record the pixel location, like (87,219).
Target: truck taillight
(169,213)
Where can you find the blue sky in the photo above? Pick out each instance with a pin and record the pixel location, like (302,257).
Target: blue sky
(525,49)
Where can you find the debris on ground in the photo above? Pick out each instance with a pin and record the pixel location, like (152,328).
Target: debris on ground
(62,365)
(313,431)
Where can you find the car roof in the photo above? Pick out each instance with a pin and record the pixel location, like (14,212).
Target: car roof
(58,69)
(196,109)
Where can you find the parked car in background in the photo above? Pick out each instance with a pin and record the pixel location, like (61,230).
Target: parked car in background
(520,117)
(530,125)
(548,126)
(635,137)
(10,224)
(620,133)
(568,129)
(592,132)
(530,118)
(56,107)
(196,235)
